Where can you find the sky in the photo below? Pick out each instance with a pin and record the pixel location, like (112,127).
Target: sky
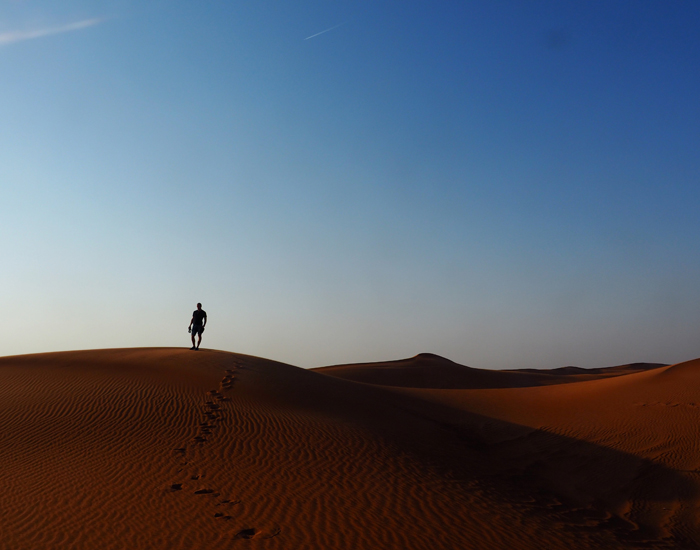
(505,183)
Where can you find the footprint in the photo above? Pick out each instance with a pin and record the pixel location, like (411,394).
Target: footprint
(212,413)
(273,533)
(228,502)
(245,534)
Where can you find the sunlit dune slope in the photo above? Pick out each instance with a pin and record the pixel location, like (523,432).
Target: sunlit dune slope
(427,370)
(168,448)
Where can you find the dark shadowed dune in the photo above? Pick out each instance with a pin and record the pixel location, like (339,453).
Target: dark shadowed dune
(427,370)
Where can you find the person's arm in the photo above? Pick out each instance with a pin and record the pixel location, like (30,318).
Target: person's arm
(204,321)
(191,321)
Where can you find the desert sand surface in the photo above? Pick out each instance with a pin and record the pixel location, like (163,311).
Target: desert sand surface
(169,448)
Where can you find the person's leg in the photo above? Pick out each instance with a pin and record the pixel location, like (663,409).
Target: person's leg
(192,340)
(199,341)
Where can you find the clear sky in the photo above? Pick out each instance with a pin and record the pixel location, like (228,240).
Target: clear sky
(508,184)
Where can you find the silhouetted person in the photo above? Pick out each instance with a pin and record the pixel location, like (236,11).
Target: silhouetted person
(197,324)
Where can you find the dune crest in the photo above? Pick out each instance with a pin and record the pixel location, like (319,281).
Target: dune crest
(427,370)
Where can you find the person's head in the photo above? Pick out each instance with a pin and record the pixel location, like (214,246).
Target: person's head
(199,306)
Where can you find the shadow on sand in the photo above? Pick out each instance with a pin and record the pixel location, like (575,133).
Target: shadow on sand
(583,487)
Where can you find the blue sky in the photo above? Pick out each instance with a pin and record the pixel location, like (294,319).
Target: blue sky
(508,184)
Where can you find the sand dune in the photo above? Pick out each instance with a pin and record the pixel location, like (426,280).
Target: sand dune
(427,370)
(167,448)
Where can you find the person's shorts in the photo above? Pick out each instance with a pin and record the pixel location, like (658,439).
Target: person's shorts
(197,330)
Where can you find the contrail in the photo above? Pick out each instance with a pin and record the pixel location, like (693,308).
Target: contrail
(327,30)
(17,36)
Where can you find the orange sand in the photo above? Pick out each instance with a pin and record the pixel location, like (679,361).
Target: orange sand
(168,448)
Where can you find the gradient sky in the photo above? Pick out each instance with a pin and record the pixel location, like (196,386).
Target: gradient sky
(508,184)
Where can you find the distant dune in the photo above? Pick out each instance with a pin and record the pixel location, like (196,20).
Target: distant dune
(428,370)
(168,448)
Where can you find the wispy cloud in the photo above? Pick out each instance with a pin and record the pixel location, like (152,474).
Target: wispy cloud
(18,36)
(327,30)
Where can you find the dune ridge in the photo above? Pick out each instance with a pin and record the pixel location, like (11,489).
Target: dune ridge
(427,370)
(167,448)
